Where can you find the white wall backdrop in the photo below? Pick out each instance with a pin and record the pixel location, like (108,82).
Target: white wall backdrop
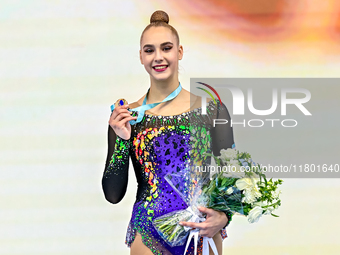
(63,63)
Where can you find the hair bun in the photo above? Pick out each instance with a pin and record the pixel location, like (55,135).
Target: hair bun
(159,16)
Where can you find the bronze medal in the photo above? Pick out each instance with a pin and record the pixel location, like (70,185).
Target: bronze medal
(120,102)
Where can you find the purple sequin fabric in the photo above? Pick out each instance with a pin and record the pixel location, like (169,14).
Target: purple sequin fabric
(161,145)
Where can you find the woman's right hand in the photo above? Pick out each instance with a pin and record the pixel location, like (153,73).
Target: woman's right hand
(119,121)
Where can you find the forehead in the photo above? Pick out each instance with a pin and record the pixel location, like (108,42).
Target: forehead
(157,36)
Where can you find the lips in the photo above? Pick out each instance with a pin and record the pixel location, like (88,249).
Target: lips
(160,68)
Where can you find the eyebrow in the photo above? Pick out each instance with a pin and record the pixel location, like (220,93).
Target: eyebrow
(151,45)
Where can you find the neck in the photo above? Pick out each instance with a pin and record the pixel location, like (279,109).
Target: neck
(159,90)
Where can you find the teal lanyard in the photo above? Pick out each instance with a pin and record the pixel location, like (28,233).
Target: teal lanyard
(144,107)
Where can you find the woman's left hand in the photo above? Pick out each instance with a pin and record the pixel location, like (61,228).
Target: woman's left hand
(214,222)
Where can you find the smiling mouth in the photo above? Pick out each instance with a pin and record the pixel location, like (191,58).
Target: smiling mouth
(160,68)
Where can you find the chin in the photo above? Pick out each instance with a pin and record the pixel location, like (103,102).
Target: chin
(161,77)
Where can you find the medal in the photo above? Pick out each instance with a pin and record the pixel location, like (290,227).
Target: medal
(120,102)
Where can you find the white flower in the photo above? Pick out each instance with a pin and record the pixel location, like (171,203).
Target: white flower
(230,191)
(257,204)
(246,183)
(251,195)
(255,214)
(243,183)
(262,184)
(269,210)
(261,203)
(228,154)
(234,164)
(251,190)
(264,203)
(276,194)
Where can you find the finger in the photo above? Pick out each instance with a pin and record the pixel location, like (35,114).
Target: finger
(188,224)
(115,122)
(192,224)
(205,233)
(124,121)
(119,110)
(123,108)
(120,107)
(121,116)
(207,211)
(202,233)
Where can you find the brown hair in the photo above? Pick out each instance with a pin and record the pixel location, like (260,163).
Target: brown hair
(160,19)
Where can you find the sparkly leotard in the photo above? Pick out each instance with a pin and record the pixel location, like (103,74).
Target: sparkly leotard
(160,145)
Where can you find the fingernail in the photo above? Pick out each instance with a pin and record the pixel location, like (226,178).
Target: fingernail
(180,223)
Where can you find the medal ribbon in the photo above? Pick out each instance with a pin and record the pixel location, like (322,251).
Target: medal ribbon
(144,107)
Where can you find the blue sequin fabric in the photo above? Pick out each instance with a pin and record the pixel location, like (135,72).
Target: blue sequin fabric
(161,145)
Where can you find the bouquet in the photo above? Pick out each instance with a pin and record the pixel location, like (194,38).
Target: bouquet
(236,185)
(259,195)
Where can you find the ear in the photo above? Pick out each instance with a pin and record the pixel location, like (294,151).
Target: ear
(140,57)
(180,52)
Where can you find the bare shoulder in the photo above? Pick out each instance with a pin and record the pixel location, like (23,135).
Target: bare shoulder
(137,103)
(197,101)
(134,105)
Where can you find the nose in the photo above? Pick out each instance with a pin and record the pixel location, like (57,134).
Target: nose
(159,56)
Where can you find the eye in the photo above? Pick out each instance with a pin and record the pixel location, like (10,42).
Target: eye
(148,50)
(167,48)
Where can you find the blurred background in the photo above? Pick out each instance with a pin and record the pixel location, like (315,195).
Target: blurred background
(63,63)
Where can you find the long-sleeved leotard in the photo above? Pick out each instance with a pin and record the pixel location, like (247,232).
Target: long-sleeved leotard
(161,145)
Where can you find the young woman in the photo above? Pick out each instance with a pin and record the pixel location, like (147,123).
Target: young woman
(169,136)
